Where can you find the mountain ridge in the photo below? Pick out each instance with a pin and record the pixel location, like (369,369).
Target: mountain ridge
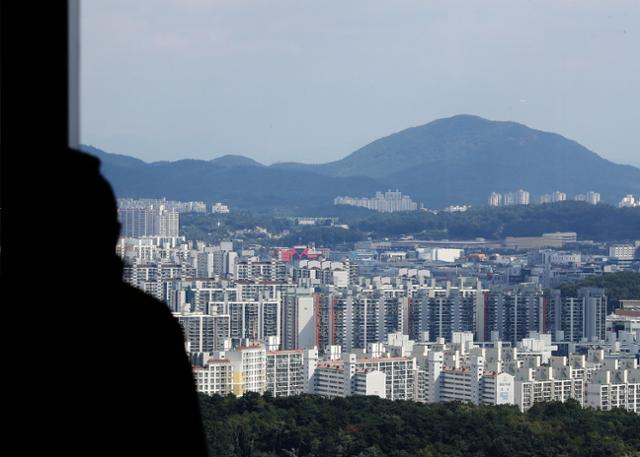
(460,159)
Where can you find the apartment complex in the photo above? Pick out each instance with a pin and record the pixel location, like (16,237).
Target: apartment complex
(387,202)
(149,221)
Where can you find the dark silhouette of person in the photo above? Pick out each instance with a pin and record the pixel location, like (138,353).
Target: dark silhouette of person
(112,373)
(92,366)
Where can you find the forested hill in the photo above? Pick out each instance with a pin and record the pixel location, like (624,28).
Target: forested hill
(310,426)
(457,160)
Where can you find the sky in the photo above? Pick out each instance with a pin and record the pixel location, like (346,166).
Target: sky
(312,81)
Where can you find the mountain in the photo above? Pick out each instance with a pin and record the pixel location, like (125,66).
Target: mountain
(232,181)
(461,159)
(230,161)
(117,160)
(464,158)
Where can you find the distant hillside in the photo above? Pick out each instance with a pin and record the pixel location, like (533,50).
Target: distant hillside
(464,158)
(235,161)
(246,186)
(461,159)
(116,160)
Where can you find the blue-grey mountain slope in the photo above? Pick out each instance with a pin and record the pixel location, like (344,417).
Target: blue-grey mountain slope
(464,158)
(234,182)
(454,160)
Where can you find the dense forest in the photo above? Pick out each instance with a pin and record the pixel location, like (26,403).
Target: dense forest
(618,286)
(261,426)
(591,222)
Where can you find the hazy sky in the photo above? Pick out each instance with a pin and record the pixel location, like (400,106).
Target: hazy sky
(311,81)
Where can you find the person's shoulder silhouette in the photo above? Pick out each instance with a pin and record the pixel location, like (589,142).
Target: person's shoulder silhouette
(117,380)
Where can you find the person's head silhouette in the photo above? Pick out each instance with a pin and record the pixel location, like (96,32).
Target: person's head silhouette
(92,226)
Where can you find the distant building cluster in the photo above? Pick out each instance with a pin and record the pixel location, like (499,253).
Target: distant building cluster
(457,208)
(590,197)
(478,372)
(629,201)
(547,240)
(172,205)
(624,252)
(522,197)
(158,217)
(318,221)
(387,202)
(554,197)
(220,208)
(519,197)
(152,220)
(180,207)
(430,321)
(298,253)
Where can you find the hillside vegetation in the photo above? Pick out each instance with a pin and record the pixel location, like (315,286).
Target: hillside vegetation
(310,426)
(598,223)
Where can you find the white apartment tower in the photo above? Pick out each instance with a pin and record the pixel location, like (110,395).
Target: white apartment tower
(285,373)
(495,199)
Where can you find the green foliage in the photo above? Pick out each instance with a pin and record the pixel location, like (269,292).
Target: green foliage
(215,227)
(368,426)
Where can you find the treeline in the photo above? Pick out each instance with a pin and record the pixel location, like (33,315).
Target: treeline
(591,222)
(215,227)
(371,427)
(618,286)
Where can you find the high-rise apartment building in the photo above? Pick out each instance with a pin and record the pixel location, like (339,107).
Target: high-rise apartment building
(546,198)
(443,311)
(149,221)
(214,376)
(249,270)
(629,201)
(622,251)
(299,320)
(205,332)
(285,373)
(590,197)
(513,312)
(593,197)
(522,197)
(519,197)
(249,365)
(353,320)
(495,199)
(346,374)
(579,318)
(615,387)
